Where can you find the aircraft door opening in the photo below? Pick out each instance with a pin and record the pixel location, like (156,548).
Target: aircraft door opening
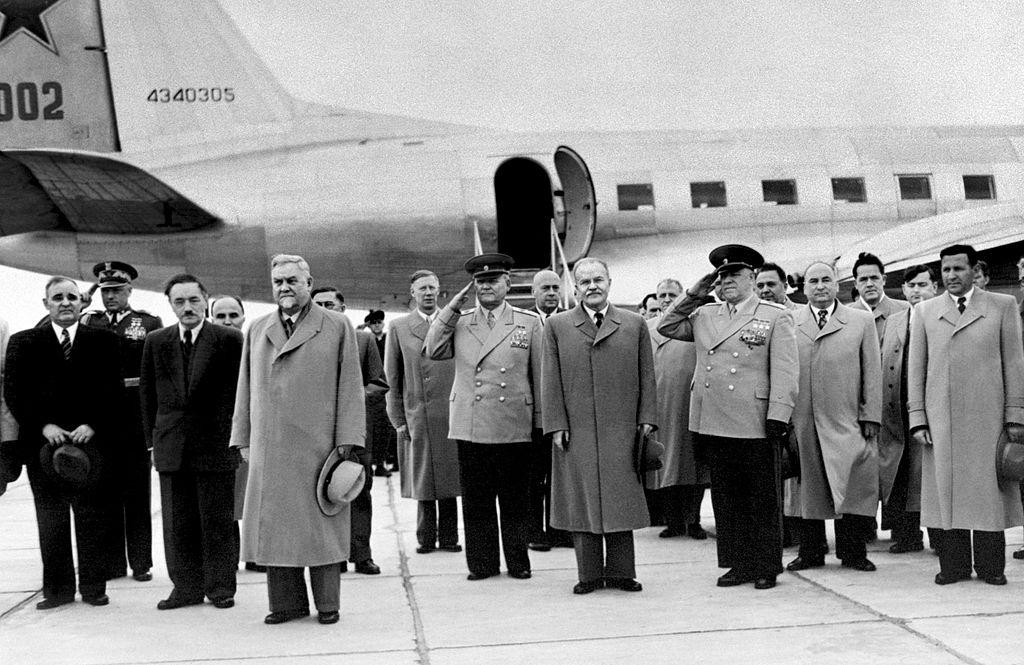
(524,207)
(579,210)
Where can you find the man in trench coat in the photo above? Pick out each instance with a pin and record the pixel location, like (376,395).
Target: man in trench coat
(300,395)
(417,403)
(836,420)
(965,383)
(599,395)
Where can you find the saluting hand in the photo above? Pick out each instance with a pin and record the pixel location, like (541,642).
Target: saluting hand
(922,436)
(460,298)
(703,286)
(561,439)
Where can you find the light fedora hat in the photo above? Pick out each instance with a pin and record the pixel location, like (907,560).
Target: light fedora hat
(340,482)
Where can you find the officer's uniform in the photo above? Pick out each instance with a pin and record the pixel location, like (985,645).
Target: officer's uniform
(747,373)
(131,517)
(494,404)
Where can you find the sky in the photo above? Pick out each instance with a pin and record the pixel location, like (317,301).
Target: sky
(631,65)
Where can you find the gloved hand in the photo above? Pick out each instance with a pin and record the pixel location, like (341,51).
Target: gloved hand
(776,429)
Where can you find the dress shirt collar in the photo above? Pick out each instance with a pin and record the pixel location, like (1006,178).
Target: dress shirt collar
(72,331)
(868,307)
(429,318)
(967,295)
(297,317)
(499,311)
(195,332)
(116,318)
(593,315)
(830,311)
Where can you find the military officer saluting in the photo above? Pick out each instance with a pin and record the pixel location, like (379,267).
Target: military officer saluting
(131,516)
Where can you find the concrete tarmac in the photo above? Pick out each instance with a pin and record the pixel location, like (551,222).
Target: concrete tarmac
(423,610)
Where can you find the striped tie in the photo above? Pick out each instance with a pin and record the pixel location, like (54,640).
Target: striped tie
(822,318)
(961,304)
(65,344)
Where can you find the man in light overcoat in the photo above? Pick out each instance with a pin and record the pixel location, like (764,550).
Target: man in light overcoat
(599,395)
(418,408)
(836,420)
(300,395)
(965,390)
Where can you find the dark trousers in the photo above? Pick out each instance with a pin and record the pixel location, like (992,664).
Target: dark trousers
(745,490)
(851,538)
(53,517)
(286,588)
(361,514)
(541,530)
(131,519)
(955,547)
(200,532)
(681,505)
(437,523)
(601,555)
(492,471)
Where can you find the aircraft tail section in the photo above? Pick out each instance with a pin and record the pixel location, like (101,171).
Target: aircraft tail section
(55,89)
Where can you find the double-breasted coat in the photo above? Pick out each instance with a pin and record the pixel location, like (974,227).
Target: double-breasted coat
(882,313)
(674,362)
(894,443)
(418,399)
(965,379)
(495,397)
(298,398)
(599,385)
(840,387)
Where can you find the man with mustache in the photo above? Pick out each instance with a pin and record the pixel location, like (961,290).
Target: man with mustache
(187,389)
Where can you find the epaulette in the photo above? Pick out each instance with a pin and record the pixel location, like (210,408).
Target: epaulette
(85,316)
(524,311)
(772,304)
(143,312)
(464,312)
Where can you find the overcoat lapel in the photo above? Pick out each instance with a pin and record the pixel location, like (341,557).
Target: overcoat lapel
(834,323)
(478,325)
(306,329)
(502,329)
(977,308)
(609,325)
(581,320)
(418,326)
(950,314)
(806,324)
(729,327)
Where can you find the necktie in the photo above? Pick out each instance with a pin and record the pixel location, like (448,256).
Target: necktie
(822,318)
(289,327)
(961,304)
(65,344)
(598,319)
(490,319)
(186,348)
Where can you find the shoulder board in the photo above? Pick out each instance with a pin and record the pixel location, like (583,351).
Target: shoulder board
(143,313)
(91,313)
(524,311)
(464,312)
(772,304)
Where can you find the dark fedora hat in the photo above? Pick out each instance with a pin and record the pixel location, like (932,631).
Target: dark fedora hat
(1009,460)
(340,482)
(75,467)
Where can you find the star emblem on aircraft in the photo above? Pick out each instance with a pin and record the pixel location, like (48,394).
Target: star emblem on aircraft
(26,16)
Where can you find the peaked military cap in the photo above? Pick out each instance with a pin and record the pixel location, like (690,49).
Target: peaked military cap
(489,265)
(112,274)
(731,257)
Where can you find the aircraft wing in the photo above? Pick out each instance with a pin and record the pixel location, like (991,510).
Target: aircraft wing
(49,190)
(920,241)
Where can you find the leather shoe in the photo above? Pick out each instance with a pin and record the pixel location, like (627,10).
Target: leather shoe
(425,549)
(1018,554)
(142,576)
(583,588)
(382,471)
(473,577)
(902,548)
(997,580)
(327,617)
(623,584)
(174,602)
(805,563)
(863,565)
(733,578)
(451,548)
(766,582)
(367,567)
(344,566)
(942,578)
(285,615)
(697,532)
(539,547)
(223,603)
(97,601)
(520,574)
(50,603)
(669,533)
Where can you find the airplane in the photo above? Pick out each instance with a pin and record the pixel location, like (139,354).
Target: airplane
(152,132)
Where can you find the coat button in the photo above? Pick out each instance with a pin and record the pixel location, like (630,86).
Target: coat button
(502,384)
(707,385)
(711,352)
(478,398)
(501,399)
(479,369)
(479,383)
(735,354)
(502,370)
(709,368)
(732,387)
(732,371)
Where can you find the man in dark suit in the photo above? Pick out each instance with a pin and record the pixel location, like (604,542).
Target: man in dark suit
(63,385)
(132,525)
(187,390)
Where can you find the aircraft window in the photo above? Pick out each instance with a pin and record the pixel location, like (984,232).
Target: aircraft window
(780,192)
(707,194)
(979,187)
(850,190)
(915,187)
(636,197)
